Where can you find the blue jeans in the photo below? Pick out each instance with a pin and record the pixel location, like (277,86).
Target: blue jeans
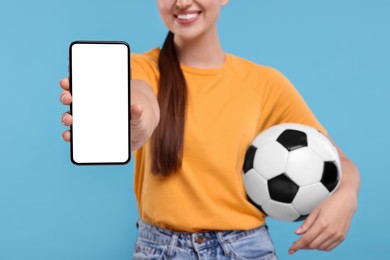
(157,243)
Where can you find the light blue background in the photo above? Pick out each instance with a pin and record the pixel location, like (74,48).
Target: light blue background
(335,52)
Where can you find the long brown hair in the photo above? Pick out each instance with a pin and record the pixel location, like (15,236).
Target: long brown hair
(168,138)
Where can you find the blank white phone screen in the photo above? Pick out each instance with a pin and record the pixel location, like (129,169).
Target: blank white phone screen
(100,87)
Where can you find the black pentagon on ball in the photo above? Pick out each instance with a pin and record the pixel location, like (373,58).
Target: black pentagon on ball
(249,157)
(281,188)
(292,139)
(330,176)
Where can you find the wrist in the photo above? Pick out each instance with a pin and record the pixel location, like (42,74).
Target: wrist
(348,195)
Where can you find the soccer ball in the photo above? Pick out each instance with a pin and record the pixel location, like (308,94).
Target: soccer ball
(289,169)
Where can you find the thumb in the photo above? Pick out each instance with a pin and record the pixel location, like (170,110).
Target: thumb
(309,221)
(136,114)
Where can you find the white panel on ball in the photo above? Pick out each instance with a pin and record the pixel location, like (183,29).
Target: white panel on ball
(304,167)
(269,135)
(321,145)
(256,187)
(309,197)
(324,148)
(281,211)
(270,160)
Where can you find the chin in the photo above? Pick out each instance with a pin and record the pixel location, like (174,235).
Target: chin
(188,35)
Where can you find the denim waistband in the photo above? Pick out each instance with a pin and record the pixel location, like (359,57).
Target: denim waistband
(197,240)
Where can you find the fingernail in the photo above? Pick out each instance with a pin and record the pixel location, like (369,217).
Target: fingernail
(64,120)
(291,251)
(62,98)
(299,230)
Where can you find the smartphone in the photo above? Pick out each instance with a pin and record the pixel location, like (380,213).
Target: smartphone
(99,77)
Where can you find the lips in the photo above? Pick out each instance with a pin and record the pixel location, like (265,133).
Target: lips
(187,17)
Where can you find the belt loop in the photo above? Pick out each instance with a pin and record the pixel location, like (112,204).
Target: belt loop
(225,248)
(172,245)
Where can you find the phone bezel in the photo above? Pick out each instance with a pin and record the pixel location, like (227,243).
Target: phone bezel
(128,99)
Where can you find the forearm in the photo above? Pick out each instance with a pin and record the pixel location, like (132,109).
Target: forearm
(350,181)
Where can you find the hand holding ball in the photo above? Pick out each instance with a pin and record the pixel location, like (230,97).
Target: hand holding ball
(289,169)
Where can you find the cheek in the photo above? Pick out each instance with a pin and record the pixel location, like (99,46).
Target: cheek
(212,8)
(161,4)
(213,14)
(165,4)
(164,8)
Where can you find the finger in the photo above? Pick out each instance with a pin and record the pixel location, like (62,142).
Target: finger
(66,119)
(136,114)
(302,243)
(65,97)
(326,244)
(332,246)
(306,239)
(308,223)
(333,238)
(64,83)
(66,136)
(319,241)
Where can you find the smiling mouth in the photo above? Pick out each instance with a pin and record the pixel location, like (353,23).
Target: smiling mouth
(187,17)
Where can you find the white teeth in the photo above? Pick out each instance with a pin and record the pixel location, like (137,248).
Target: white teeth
(187,16)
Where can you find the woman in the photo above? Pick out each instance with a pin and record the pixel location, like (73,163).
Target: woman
(196,110)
